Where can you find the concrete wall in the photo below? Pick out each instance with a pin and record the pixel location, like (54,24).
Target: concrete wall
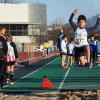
(24,39)
(13,13)
(23,13)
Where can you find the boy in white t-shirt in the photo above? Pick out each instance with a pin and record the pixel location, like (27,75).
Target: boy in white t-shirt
(63,50)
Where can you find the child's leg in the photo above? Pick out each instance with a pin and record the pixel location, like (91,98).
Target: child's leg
(11,73)
(2,65)
(76,56)
(63,57)
(82,60)
(8,73)
(71,60)
(68,60)
(94,57)
(87,52)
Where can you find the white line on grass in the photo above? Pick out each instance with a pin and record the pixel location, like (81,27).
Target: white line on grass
(60,86)
(33,71)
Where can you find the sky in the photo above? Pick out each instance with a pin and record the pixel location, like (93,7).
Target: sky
(63,8)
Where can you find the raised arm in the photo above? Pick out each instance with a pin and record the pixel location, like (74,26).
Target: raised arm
(71,20)
(96,25)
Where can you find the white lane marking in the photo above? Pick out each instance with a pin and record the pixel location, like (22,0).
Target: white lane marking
(33,71)
(60,86)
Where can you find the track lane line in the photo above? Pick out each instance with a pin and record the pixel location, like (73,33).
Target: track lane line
(33,71)
(60,86)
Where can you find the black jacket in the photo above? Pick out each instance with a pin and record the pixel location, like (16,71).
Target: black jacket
(3,47)
(15,49)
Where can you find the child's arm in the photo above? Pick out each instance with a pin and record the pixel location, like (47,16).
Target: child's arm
(5,47)
(96,25)
(15,50)
(71,20)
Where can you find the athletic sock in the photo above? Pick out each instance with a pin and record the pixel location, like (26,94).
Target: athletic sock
(7,75)
(11,76)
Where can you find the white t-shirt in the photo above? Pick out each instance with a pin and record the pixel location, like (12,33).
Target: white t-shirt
(63,46)
(71,47)
(80,37)
(11,56)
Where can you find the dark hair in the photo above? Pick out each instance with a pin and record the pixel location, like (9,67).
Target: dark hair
(2,27)
(64,37)
(92,36)
(45,41)
(96,38)
(81,17)
(71,40)
(9,37)
(88,37)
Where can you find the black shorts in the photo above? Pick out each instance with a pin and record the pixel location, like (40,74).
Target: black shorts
(98,54)
(70,54)
(79,51)
(62,53)
(10,63)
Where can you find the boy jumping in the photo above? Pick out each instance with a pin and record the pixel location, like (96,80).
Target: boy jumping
(80,37)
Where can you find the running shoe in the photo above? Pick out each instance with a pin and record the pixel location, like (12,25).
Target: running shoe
(8,81)
(11,82)
(88,64)
(94,65)
(72,64)
(64,67)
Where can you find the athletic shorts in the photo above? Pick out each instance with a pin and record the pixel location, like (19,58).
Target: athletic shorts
(10,63)
(98,54)
(70,54)
(62,53)
(79,51)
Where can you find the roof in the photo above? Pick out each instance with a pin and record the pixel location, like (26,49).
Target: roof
(27,23)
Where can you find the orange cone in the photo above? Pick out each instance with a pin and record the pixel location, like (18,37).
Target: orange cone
(46,83)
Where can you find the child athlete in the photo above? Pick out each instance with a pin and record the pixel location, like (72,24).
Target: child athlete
(63,50)
(10,59)
(80,38)
(3,52)
(70,53)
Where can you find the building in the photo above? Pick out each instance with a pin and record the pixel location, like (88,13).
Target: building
(24,21)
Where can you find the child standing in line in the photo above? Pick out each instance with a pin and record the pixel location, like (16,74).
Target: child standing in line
(88,38)
(11,59)
(98,53)
(96,47)
(3,52)
(92,52)
(63,50)
(70,52)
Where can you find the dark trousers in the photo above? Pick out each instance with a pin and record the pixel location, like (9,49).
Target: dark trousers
(2,70)
(93,55)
